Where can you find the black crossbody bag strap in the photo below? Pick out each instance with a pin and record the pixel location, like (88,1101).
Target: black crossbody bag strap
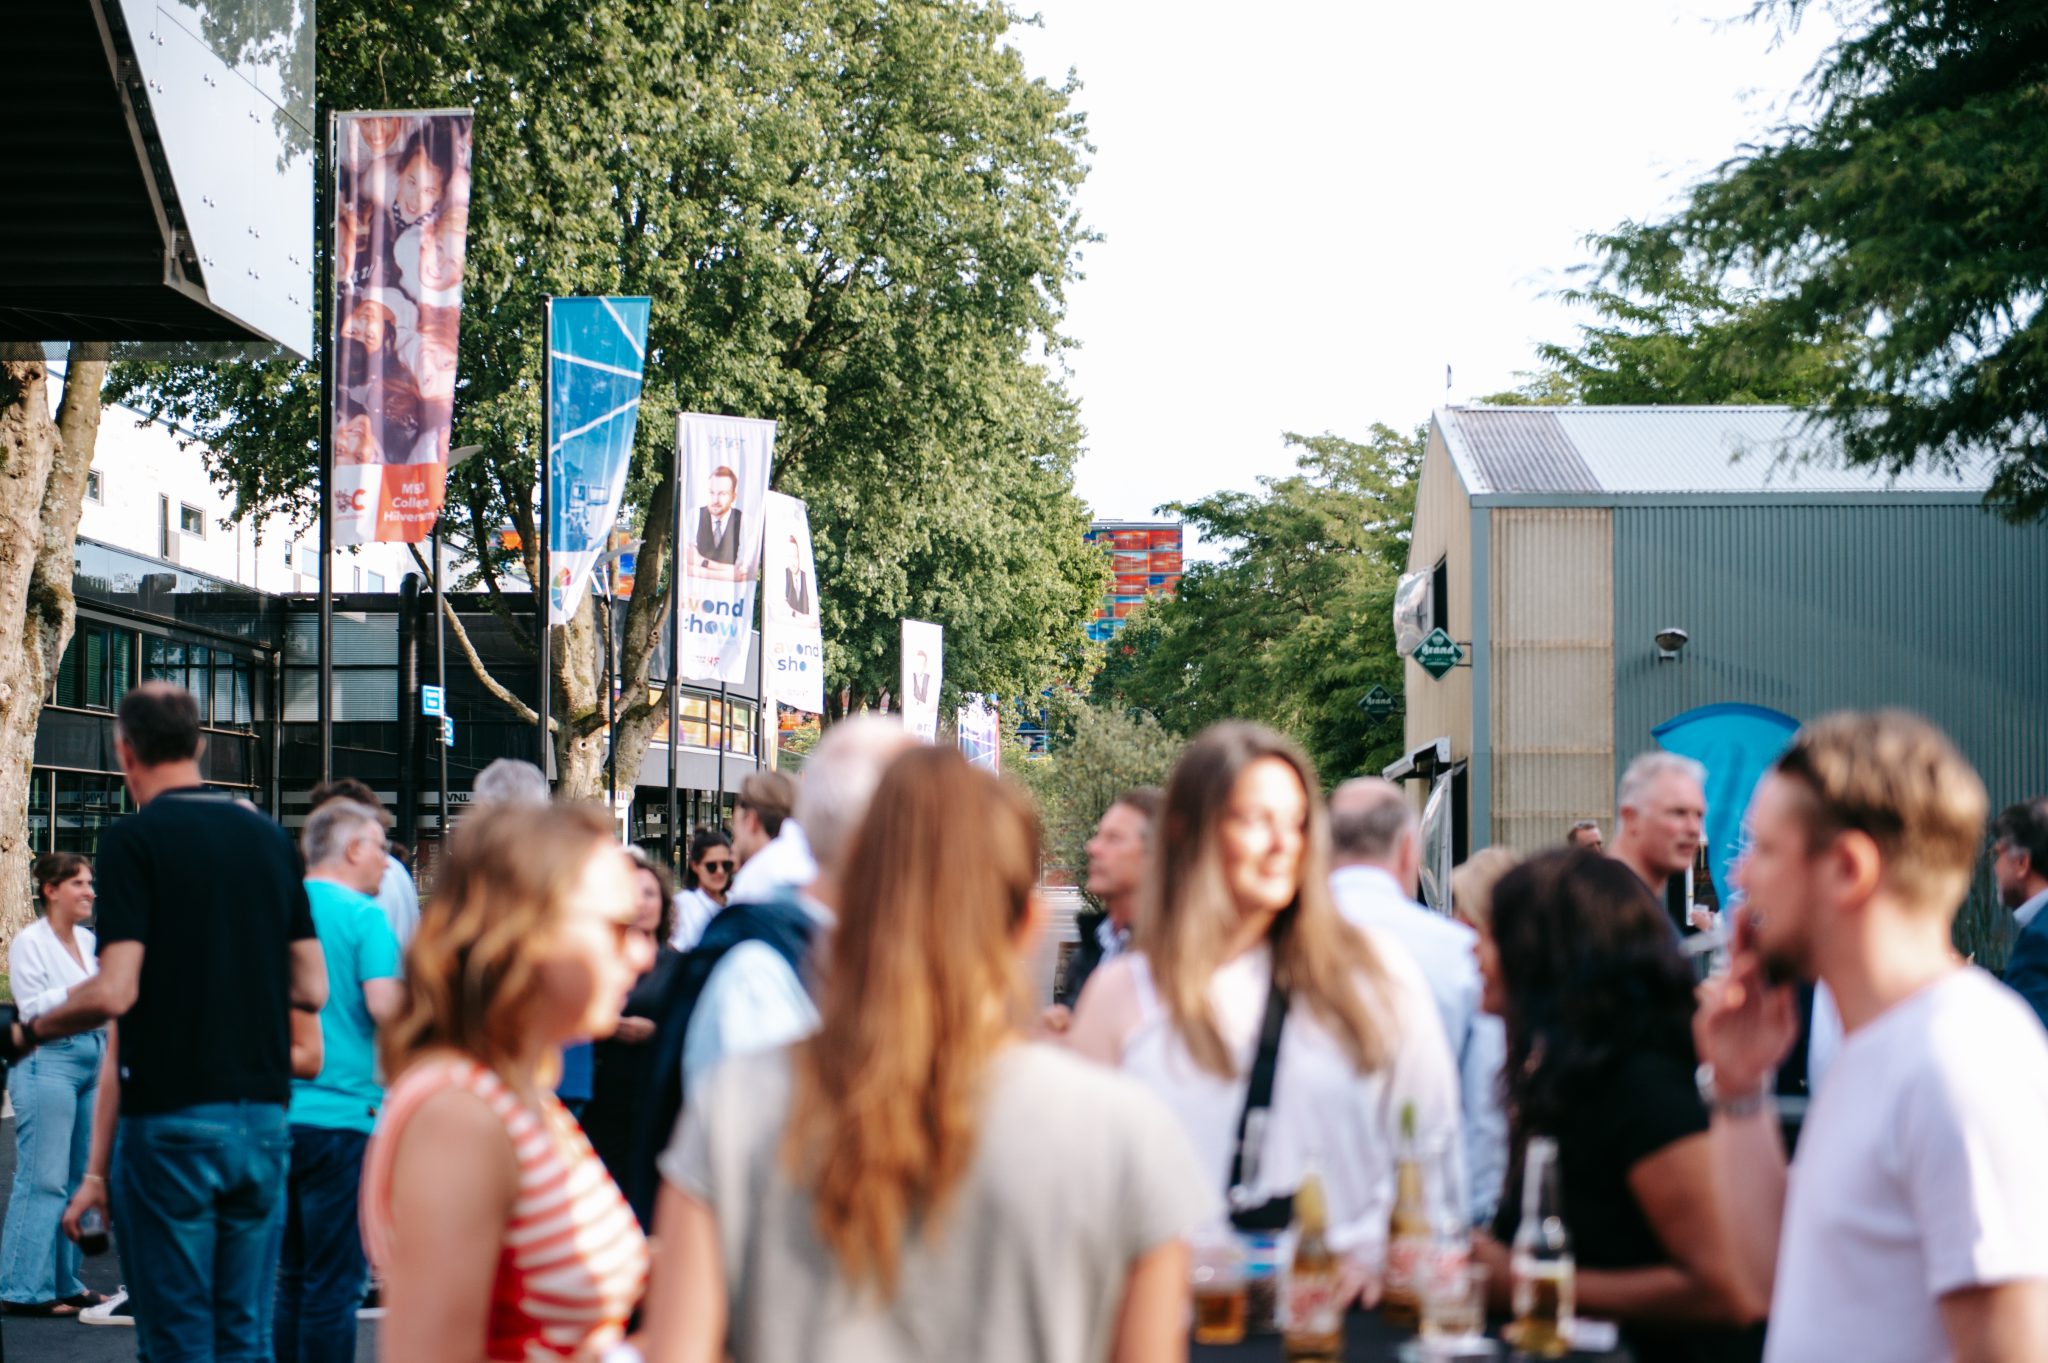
(1276,1213)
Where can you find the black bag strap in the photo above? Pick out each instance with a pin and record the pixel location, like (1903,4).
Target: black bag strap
(1258,1094)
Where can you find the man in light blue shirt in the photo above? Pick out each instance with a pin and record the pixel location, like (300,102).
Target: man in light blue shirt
(1378,854)
(753,1000)
(321,1269)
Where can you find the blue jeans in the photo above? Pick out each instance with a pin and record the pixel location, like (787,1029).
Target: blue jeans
(53,1089)
(321,1269)
(199,1208)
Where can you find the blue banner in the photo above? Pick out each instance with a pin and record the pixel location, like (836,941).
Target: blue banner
(597,352)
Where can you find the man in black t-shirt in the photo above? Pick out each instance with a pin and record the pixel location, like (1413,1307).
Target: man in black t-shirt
(205,945)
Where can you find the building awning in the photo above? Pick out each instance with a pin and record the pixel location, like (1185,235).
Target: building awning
(1421,764)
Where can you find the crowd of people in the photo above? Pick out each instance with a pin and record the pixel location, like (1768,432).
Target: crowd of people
(814,1075)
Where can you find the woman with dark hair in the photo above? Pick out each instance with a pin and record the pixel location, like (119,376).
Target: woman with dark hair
(1240,950)
(1598,1002)
(53,1090)
(706,878)
(918,1180)
(622,1079)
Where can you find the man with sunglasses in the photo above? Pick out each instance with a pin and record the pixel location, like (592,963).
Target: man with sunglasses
(2019,866)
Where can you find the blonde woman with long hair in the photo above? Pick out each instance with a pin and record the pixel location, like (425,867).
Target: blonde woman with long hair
(495,1229)
(1240,949)
(918,1181)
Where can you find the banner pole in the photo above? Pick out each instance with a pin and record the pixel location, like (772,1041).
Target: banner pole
(326,182)
(541,592)
(675,643)
(724,742)
(611,694)
(441,683)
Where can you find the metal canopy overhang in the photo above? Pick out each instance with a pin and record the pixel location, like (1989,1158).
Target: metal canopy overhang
(90,249)
(1421,764)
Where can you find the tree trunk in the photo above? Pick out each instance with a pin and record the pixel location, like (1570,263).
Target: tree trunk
(43,463)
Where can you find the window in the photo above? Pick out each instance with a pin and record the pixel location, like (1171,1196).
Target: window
(376,582)
(1440,596)
(289,549)
(309,561)
(93,488)
(191,520)
(86,804)
(96,669)
(165,548)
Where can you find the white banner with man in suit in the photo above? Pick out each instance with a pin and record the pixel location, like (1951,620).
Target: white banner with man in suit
(924,665)
(725,492)
(792,637)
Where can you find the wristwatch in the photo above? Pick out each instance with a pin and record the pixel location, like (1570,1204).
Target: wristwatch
(1737,1105)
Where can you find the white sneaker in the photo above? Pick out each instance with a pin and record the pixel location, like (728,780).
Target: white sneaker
(108,1312)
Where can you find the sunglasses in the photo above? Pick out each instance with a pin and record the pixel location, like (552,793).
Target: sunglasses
(722,867)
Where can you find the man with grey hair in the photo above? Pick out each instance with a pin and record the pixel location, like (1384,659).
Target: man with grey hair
(742,988)
(1377,849)
(1661,818)
(510,781)
(321,1266)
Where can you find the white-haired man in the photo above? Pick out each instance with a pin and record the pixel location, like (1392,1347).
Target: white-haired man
(742,988)
(1662,812)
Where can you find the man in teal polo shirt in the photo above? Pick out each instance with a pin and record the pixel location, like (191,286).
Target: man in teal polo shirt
(321,1269)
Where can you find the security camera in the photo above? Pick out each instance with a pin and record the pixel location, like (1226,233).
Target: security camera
(1669,641)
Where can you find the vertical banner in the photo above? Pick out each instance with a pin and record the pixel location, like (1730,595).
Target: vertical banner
(980,730)
(725,493)
(792,639)
(401,224)
(596,353)
(924,661)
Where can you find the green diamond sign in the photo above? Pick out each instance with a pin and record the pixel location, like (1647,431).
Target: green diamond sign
(1378,703)
(1438,654)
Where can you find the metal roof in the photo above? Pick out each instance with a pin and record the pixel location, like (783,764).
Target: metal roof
(1590,454)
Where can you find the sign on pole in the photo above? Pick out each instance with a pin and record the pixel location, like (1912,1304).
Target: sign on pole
(432,702)
(1378,703)
(597,348)
(792,638)
(401,226)
(924,661)
(979,726)
(1437,653)
(447,731)
(724,465)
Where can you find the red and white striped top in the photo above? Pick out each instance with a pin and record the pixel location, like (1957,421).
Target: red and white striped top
(574,1262)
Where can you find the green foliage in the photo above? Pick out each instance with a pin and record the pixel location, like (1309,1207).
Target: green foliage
(1097,754)
(1668,332)
(1906,206)
(853,216)
(1295,624)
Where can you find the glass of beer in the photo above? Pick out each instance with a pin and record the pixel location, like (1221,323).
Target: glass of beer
(1217,1273)
(1454,1301)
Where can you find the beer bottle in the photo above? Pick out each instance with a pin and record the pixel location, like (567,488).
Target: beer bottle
(1541,1268)
(1314,1331)
(1408,1232)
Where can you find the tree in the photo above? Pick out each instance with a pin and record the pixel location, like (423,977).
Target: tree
(1295,624)
(1097,754)
(43,462)
(854,217)
(1672,333)
(1904,205)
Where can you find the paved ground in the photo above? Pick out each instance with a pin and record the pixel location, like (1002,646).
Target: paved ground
(66,1341)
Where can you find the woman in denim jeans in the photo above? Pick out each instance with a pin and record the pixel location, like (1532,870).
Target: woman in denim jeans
(53,1095)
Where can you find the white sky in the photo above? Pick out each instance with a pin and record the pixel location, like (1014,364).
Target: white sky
(1312,206)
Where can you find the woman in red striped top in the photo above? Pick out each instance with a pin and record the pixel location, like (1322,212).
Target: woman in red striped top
(495,1229)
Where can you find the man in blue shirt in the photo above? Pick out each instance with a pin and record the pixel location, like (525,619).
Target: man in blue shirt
(2019,866)
(321,1269)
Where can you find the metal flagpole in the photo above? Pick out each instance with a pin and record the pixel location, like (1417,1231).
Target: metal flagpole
(675,644)
(328,181)
(724,742)
(441,682)
(611,694)
(541,590)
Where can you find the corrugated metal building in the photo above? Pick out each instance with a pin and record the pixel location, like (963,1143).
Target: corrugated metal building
(1562,539)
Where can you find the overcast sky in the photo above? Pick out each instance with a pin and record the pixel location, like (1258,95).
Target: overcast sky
(1310,207)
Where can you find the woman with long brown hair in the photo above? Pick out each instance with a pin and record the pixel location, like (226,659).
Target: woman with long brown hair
(918,1181)
(1240,950)
(495,1230)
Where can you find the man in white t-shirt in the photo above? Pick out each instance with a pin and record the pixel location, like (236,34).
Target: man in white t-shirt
(1914,1225)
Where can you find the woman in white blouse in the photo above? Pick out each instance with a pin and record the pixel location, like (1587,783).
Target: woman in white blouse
(53,1095)
(1237,902)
